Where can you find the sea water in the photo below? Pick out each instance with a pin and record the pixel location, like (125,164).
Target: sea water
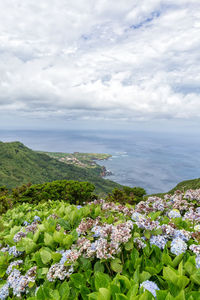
(154,161)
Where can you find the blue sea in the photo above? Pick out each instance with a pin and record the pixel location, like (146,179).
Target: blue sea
(154,161)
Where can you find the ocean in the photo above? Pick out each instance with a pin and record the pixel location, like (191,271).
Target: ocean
(154,161)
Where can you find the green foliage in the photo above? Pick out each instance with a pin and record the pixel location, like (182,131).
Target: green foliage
(113,279)
(186,185)
(74,192)
(126,195)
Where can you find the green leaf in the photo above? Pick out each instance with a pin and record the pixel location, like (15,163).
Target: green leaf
(161,295)
(177,260)
(190,268)
(170,274)
(98,267)
(55,294)
(48,239)
(116,265)
(144,276)
(166,259)
(65,224)
(121,297)
(146,296)
(78,280)
(133,291)
(64,290)
(101,280)
(104,294)
(124,282)
(182,282)
(196,277)
(45,256)
(129,246)
(180,296)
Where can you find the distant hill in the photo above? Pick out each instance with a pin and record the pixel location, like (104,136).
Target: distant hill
(186,185)
(21,165)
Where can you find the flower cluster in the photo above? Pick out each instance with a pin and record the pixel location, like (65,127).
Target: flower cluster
(108,238)
(4,291)
(150,286)
(178,246)
(174,213)
(13,264)
(11,251)
(195,248)
(192,194)
(59,271)
(17,282)
(158,240)
(139,243)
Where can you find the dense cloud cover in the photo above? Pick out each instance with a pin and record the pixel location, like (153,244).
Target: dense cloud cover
(80,59)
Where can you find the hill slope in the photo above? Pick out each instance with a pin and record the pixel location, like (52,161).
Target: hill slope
(19,165)
(186,185)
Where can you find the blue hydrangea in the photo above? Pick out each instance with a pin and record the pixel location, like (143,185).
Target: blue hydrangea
(96,230)
(181,234)
(136,216)
(64,258)
(37,219)
(4,291)
(198,262)
(13,251)
(178,246)
(26,223)
(79,206)
(158,240)
(150,286)
(174,213)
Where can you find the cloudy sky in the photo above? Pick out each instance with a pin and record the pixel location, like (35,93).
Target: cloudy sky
(118,62)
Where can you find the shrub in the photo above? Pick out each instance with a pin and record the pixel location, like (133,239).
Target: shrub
(126,195)
(74,192)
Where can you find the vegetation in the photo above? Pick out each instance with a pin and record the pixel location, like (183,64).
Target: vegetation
(73,192)
(126,195)
(186,185)
(21,165)
(101,251)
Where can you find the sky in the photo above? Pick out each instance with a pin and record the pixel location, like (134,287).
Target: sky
(100,63)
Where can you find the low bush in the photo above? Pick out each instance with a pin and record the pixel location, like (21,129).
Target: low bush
(126,195)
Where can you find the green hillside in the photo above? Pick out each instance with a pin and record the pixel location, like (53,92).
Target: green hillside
(186,185)
(20,165)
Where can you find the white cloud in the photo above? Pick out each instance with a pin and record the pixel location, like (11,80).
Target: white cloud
(84,59)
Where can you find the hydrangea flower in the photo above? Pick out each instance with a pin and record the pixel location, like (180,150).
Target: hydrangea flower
(79,206)
(195,248)
(12,251)
(13,264)
(150,286)
(37,219)
(174,213)
(59,271)
(182,234)
(198,262)
(178,246)
(26,223)
(136,216)
(197,227)
(4,291)
(158,240)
